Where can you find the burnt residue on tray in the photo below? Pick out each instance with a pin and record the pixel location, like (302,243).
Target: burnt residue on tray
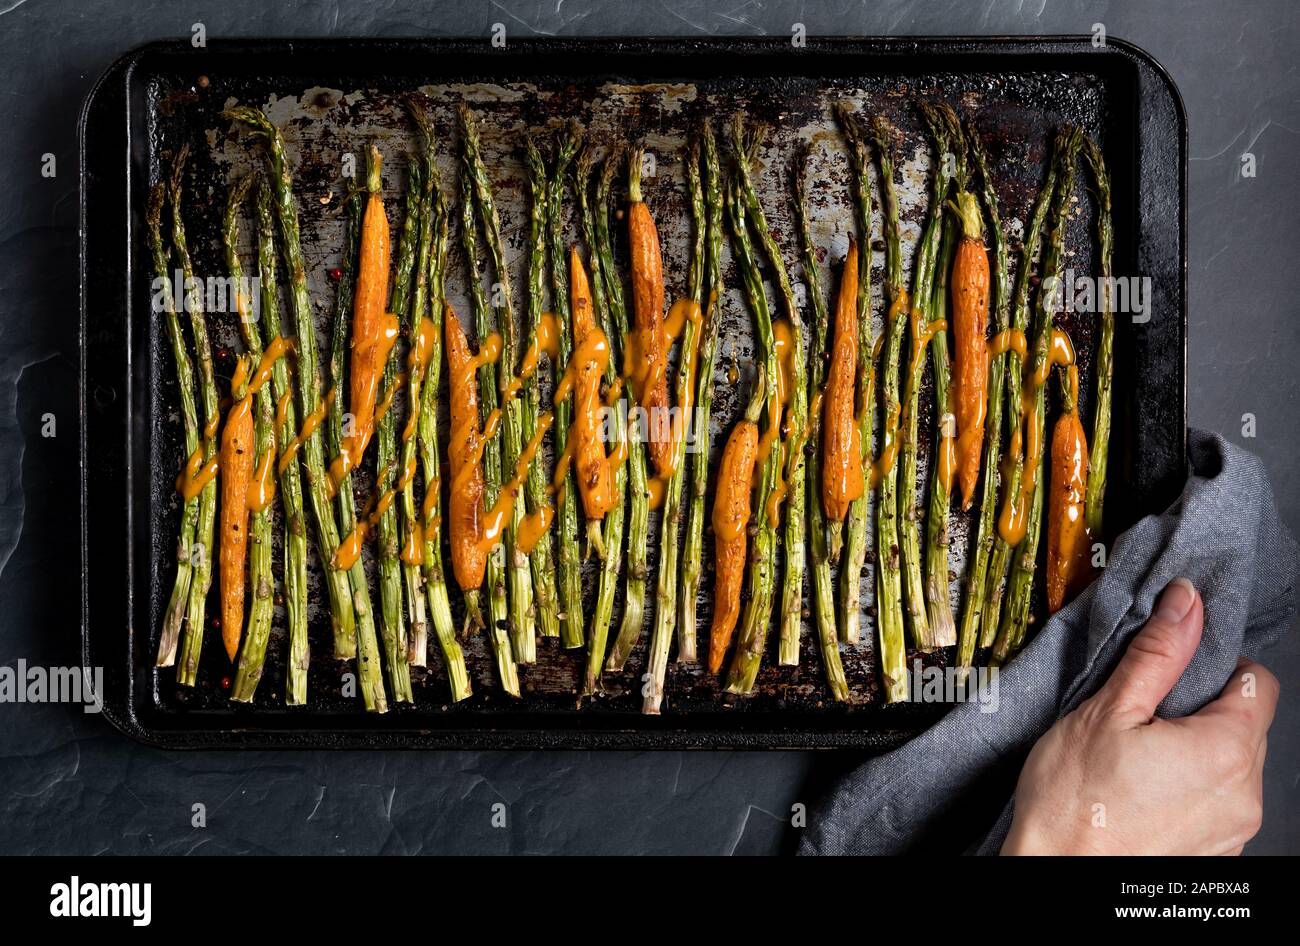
(326,116)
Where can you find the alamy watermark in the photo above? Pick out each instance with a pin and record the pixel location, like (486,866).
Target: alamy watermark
(212,294)
(954,685)
(79,898)
(652,425)
(32,684)
(1089,294)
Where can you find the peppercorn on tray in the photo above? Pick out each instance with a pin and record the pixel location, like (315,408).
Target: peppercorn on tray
(171,127)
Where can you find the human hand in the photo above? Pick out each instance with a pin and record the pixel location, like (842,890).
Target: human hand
(1112,778)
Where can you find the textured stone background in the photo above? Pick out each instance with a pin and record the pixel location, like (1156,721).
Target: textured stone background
(69,783)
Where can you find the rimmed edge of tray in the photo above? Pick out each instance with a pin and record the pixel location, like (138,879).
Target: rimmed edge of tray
(110,492)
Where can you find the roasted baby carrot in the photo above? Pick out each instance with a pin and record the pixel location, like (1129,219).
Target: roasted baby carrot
(842,479)
(970,316)
(649,368)
(595,472)
(464,447)
(373,332)
(236,459)
(731,508)
(1067,533)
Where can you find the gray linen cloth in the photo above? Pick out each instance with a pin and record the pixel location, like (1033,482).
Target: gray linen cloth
(948,789)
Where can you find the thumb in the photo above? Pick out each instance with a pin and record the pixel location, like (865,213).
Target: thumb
(1156,657)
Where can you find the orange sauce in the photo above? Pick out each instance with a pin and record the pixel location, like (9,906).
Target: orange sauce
(349,549)
(535,524)
(429,509)
(888,447)
(683,312)
(592,354)
(533,527)
(417,362)
(412,551)
(639,374)
(547,340)
(310,424)
(947,454)
(900,414)
(783,342)
(282,409)
(386,404)
(263,486)
(197,474)
(1013,521)
(365,414)
(276,350)
(1011,339)
(469,443)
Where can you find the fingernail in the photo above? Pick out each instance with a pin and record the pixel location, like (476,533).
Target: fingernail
(1176,601)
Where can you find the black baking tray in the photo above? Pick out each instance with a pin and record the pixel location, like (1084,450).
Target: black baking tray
(1135,108)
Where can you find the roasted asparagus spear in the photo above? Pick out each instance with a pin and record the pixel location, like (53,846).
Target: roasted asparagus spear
(693,547)
(823,588)
(177,605)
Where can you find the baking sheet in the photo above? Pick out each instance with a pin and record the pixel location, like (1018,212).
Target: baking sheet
(1015,108)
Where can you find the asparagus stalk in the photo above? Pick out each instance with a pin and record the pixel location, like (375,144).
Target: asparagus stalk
(498,620)
(1020,583)
(670,529)
(179,601)
(368,673)
(693,552)
(823,589)
(201,581)
(638,521)
(413,321)
(937,512)
(796,424)
(851,536)
(523,626)
(1020,586)
(392,625)
(570,563)
(948,140)
(929,595)
(252,654)
(1000,366)
(757,615)
(1096,494)
(339,584)
(542,558)
(435,581)
(612,564)
(889,592)
(1000,557)
(295,522)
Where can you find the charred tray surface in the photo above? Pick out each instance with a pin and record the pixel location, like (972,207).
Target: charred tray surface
(1016,91)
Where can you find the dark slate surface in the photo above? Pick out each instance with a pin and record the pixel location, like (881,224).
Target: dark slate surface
(69,783)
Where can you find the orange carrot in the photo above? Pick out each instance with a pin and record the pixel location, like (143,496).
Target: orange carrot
(842,479)
(731,508)
(970,315)
(595,473)
(236,459)
(1068,540)
(464,448)
(649,367)
(373,332)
